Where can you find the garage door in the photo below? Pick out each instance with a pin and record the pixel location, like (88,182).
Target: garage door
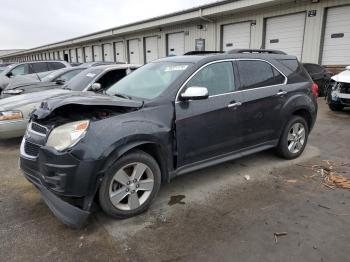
(286,33)
(151,48)
(236,36)
(80,55)
(73,55)
(336,46)
(176,44)
(134,51)
(108,53)
(97,53)
(119,52)
(88,53)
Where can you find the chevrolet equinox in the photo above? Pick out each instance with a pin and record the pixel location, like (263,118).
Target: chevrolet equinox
(170,117)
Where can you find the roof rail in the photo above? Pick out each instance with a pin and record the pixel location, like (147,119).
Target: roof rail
(261,51)
(203,52)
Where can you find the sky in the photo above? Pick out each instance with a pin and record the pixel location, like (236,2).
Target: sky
(32,23)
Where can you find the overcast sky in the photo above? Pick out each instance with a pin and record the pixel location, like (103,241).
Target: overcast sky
(31,23)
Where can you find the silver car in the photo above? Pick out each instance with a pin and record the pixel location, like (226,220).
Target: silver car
(15,111)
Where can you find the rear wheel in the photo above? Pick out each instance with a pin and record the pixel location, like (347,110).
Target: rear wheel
(335,107)
(294,138)
(130,185)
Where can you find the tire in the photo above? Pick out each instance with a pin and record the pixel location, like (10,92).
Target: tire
(285,146)
(122,179)
(335,107)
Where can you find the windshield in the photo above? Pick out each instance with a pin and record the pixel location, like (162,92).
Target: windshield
(52,75)
(83,79)
(148,81)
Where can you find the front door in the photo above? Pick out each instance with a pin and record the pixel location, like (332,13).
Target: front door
(209,127)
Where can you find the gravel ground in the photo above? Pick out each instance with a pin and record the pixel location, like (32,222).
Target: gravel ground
(225,213)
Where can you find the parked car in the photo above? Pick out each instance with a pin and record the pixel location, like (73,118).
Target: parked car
(88,64)
(29,68)
(320,75)
(170,117)
(15,111)
(338,93)
(23,84)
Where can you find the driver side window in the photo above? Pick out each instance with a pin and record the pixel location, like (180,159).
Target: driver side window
(218,78)
(20,70)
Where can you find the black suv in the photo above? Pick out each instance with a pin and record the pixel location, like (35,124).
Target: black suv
(168,118)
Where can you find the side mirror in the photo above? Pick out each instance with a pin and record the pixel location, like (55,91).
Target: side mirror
(195,93)
(60,81)
(95,87)
(9,74)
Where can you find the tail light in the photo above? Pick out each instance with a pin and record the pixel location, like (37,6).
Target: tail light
(314,89)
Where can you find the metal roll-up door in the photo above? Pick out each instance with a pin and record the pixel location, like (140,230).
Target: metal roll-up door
(336,44)
(134,51)
(236,36)
(286,33)
(151,48)
(175,44)
(108,53)
(73,55)
(97,53)
(119,52)
(88,54)
(80,54)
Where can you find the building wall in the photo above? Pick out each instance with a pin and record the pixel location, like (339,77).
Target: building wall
(212,24)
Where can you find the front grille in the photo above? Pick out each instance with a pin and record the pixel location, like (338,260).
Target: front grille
(38,128)
(31,149)
(345,101)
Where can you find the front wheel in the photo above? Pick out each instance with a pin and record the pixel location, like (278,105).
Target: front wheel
(130,185)
(294,138)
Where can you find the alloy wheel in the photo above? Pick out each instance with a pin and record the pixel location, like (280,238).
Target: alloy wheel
(296,138)
(131,186)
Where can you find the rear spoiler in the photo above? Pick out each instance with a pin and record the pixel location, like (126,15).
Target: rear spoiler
(260,51)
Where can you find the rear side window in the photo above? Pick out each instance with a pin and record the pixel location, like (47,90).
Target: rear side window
(217,78)
(255,74)
(39,67)
(55,65)
(297,72)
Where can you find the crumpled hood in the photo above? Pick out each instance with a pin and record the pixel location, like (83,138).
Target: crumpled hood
(343,77)
(14,102)
(82,98)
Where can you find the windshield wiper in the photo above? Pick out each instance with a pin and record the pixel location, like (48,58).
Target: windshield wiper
(122,96)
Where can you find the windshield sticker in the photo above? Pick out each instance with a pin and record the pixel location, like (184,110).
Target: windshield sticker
(90,75)
(175,68)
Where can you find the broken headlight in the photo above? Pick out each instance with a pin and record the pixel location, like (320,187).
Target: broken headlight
(11,115)
(67,135)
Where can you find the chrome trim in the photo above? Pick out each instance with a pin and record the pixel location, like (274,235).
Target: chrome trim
(22,151)
(236,91)
(234,104)
(37,133)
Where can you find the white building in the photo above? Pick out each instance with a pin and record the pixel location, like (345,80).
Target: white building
(316,31)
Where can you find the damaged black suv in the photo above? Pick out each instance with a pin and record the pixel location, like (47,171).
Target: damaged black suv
(168,118)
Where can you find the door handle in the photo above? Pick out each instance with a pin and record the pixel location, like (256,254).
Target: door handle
(281,93)
(234,104)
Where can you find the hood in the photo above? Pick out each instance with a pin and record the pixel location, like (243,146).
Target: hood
(14,102)
(85,99)
(33,85)
(21,81)
(343,77)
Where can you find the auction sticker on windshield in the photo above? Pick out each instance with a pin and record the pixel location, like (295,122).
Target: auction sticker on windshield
(90,75)
(175,68)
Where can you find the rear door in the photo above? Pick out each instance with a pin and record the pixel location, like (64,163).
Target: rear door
(263,93)
(210,127)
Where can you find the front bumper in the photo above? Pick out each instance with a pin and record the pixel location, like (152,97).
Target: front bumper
(12,129)
(67,184)
(67,213)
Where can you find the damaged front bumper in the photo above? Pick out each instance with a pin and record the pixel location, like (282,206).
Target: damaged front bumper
(67,184)
(67,213)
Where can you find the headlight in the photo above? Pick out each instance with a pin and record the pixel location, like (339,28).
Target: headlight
(11,115)
(13,91)
(67,135)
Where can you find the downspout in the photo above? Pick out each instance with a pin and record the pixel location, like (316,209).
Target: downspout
(210,21)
